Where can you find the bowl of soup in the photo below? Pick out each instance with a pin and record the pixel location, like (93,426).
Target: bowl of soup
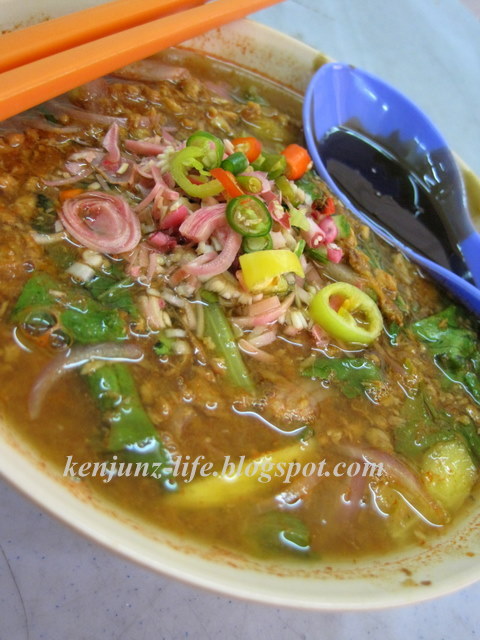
(208,365)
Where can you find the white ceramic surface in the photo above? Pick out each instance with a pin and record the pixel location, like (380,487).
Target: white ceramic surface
(447,566)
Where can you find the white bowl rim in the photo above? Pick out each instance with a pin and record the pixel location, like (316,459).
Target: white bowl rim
(42,485)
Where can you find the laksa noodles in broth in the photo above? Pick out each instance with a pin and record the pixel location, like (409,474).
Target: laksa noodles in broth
(194,326)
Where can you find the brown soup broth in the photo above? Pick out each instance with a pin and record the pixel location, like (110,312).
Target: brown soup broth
(194,408)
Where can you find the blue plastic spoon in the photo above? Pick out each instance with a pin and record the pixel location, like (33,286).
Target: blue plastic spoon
(347,106)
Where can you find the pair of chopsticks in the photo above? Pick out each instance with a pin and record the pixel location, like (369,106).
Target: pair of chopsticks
(43,61)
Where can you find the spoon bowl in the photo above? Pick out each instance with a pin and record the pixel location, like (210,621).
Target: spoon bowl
(341,98)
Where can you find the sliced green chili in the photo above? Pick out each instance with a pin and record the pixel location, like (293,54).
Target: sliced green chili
(275,165)
(249,216)
(235,163)
(212,148)
(181,165)
(251,184)
(262,243)
(287,190)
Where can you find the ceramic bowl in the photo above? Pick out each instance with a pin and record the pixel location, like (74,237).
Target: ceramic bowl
(446,564)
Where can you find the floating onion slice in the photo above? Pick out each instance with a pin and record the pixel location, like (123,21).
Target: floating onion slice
(73,358)
(400,473)
(200,225)
(221,262)
(102,222)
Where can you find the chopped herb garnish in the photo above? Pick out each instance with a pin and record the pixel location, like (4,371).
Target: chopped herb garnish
(454,347)
(353,375)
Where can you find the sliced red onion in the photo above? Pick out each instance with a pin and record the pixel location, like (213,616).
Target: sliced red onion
(251,350)
(312,275)
(79,170)
(102,222)
(77,357)
(145,147)
(153,71)
(160,188)
(334,253)
(183,274)
(88,155)
(266,318)
(167,192)
(162,241)
(264,306)
(168,137)
(174,219)
(64,181)
(397,471)
(57,107)
(264,339)
(276,210)
(221,262)
(200,225)
(321,337)
(328,226)
(38,122)
(315,236)
(148,198)
(79,166)
(219,88)
(114,168)
(95,89)
(110,143)
(152,266)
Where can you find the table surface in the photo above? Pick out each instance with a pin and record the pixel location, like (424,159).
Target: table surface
(54,584)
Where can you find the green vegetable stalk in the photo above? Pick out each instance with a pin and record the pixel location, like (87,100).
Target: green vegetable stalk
(131,431)
(218,329)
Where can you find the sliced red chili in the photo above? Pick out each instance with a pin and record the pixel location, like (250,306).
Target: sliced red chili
(228,181)
(250,146)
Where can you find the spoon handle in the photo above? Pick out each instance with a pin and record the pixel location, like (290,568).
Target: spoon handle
(470,248)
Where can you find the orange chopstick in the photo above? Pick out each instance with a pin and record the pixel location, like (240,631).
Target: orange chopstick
(52,36)
(43,79)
